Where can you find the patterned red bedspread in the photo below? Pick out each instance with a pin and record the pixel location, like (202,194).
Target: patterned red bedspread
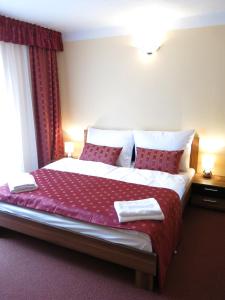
(91,199)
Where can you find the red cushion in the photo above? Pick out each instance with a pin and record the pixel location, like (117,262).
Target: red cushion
(104,154)
(160,160)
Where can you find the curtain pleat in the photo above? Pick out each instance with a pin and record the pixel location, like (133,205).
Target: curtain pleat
(46,101)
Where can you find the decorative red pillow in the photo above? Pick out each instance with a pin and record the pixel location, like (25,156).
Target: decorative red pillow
(160,160)
(104,154)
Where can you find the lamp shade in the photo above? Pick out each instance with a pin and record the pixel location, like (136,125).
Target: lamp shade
(208,162)
(69,148)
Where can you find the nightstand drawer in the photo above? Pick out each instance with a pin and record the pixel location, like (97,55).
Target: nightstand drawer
(211,191)
(208,201)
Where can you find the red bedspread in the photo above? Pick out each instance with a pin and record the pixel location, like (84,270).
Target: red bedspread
(90,199)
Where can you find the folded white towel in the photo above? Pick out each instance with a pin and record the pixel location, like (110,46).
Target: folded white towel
(22,182)
(146,209)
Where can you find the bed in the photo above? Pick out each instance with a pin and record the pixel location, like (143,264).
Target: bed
(135,253)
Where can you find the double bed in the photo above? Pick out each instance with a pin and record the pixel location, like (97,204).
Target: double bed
(123,246)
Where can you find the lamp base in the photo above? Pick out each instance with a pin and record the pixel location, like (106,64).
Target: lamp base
(207,174)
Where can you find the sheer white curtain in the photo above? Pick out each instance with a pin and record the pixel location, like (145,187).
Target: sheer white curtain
(17,133)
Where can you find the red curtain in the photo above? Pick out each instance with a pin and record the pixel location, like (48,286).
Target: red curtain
(43,44)
(46,101)
(23,33)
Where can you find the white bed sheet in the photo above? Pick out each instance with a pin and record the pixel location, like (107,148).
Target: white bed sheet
(137,240)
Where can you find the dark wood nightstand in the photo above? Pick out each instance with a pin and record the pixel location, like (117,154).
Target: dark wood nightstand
(208,193)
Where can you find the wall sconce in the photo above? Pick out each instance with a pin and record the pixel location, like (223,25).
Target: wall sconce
(69,148)
(208,161)
(148,41)
(149,26)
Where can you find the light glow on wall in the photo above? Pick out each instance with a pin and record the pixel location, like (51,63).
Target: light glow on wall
(75,133)
(212,144)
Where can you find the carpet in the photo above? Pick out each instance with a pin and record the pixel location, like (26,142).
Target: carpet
(31,269)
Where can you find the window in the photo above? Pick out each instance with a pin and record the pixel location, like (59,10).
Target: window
(17,133)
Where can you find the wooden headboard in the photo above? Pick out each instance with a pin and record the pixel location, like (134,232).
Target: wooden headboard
(194,150)
(194,153)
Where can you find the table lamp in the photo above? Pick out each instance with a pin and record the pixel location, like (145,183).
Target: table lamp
(207,165)
(69,148)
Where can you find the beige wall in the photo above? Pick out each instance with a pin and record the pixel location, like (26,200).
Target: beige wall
(107,83)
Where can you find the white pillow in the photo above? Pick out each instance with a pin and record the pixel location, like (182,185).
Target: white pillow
(114,138)
(167,140)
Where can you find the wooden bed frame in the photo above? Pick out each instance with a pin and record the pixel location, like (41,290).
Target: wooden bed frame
(144,264)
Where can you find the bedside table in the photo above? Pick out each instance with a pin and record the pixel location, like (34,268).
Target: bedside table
(208,193)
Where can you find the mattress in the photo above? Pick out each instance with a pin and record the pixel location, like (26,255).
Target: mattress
(134,239)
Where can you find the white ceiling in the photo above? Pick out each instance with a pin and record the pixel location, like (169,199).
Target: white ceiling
(93,18)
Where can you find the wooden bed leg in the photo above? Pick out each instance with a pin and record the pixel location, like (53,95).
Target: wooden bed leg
(139,279)
(143,280)
(150,282)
